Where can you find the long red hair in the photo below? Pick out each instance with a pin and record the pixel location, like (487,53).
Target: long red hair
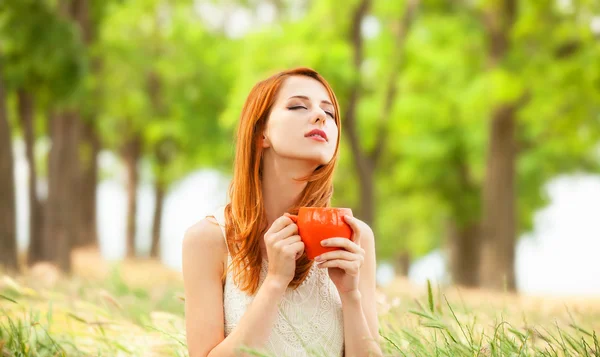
(245,216)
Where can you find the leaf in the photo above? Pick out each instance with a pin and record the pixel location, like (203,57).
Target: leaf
(9,299)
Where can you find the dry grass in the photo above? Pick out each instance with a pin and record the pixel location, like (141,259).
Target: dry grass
(135,308)
(130,308)
(511,304)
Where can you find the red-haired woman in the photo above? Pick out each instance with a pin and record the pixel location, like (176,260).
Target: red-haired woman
(247,280)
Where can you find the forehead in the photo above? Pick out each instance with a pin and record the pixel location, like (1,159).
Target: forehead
(303,86)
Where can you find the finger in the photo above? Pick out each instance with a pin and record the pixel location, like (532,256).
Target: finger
(300,252)
(354,223)
(350,267)
(344,243)
(338,254)
(294,218)
(279,224)
(283,234)
(288,231)
(294,249)
(288,241)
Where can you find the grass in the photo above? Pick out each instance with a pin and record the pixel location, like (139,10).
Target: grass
(136,309)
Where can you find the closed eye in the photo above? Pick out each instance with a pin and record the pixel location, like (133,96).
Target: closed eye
(303,107)
(297,107)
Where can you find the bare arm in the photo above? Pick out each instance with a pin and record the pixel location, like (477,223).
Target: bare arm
(203,251)
(361,325)
(352,270)
(255,326)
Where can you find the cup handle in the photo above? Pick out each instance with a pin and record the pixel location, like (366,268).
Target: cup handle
(293,217)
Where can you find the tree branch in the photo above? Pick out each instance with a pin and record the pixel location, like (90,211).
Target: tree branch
(350,114)
(402,30)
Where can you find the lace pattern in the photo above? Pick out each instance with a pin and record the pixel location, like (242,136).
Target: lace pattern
(309,321)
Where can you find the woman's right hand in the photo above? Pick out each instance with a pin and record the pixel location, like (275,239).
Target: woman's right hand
(284,247)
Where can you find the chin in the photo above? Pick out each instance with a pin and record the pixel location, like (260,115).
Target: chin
(318,160)
(315,158)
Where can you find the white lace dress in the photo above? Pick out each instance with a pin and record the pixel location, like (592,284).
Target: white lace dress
(309,322)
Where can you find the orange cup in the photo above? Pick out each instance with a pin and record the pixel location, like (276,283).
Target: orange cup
(318,223)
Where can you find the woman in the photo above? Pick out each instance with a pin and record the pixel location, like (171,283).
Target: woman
(247,281)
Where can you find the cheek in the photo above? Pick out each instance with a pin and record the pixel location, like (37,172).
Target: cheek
(332,134)
(281,131)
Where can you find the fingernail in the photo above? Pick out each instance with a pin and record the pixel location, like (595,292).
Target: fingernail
(324,242)
(319,258)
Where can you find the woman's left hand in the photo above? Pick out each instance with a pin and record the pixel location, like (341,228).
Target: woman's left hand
(344,264)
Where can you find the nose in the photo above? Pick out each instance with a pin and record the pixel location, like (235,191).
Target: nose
(320,117)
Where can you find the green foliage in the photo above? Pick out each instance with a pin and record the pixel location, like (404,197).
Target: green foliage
(151,46)
(175,77)
(442,114)
(432,168)
(42,51)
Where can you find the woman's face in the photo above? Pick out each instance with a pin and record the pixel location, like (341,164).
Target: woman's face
(301,124)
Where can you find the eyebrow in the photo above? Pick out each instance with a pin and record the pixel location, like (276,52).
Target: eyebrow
(307,98)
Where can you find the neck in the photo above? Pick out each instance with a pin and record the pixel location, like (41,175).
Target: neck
(280,187)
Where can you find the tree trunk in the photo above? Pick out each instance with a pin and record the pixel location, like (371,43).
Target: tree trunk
(365,170)
(163,154)
(463,254)
(366,161)
(402,263)
(364,167)
(26,117)
(499,209)
(88,235)
(367,195)
(159,195)
(463,230)
(90,144)
(71,182)
(131,154)
(499,213)
(8,214)
(63,210)
(62,207)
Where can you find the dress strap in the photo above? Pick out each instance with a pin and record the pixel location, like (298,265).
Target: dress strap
(219,216)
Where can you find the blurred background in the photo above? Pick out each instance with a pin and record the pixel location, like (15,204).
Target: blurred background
(471,128)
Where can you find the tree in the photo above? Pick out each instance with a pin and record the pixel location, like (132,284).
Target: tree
(91,15)
(431,90)
(26,109)
(43,69)
(167,94)
(524,119)
(437,143)
(499,215)
(8,216)
(366,161)
(70,209)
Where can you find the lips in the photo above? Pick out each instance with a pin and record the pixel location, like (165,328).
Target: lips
(316,133)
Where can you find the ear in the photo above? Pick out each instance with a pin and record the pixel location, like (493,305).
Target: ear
(264,141)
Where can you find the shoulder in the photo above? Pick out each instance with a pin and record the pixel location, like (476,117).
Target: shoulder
(203,240)
(367,237)
(205,233)
(202,268)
